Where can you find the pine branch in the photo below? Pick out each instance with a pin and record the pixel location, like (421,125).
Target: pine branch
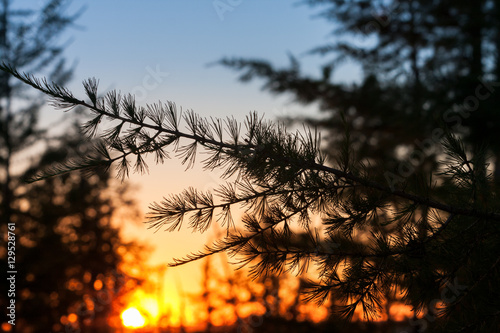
(375,237)
(235,243)
(308,150)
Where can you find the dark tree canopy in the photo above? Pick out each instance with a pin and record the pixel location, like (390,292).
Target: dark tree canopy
(424,63)
(68,255)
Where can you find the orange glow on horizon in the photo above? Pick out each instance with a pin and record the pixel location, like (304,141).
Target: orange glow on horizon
(400,312)
(146,305)
(160,311)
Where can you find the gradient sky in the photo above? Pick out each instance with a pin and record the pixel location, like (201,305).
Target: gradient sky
(121,42)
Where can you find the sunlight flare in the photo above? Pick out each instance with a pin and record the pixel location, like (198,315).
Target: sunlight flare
(133,318)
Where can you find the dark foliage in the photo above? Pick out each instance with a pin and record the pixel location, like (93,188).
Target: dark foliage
(68,256)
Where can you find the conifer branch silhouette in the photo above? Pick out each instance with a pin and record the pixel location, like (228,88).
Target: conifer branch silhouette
(282,180)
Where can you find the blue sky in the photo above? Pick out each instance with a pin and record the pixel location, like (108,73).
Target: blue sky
(119,41)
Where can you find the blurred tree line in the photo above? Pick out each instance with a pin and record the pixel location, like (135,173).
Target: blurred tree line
(69,257)
(234,301)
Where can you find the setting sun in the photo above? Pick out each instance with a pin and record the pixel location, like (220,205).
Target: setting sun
(131,317)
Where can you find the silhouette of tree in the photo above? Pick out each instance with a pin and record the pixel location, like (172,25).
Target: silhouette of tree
(31,46)
(423,63)
(68,255)
(71,255)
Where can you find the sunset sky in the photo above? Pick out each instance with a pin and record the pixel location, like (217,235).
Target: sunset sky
(123,43)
